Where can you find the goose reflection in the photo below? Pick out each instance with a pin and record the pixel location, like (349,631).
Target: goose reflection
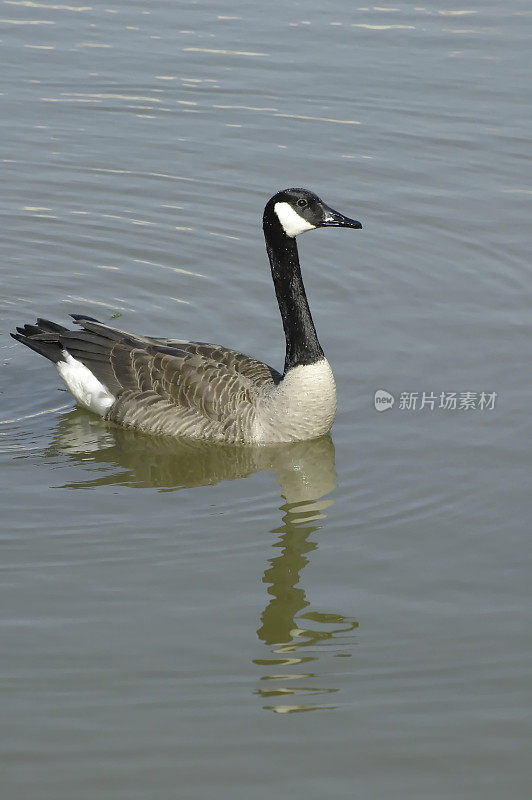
(294,633)
(297,637)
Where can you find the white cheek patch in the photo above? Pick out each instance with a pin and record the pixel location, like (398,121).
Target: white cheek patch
(290,220)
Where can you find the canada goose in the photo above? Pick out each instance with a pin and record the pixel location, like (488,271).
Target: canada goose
(206,391)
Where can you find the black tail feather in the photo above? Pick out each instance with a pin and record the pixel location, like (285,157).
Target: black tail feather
(48,326)
(50,350)
(83,317)
(29,330)
(92,345)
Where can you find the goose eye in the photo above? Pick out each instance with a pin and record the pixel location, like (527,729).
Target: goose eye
(302,203)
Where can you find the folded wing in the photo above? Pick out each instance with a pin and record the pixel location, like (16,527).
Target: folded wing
(168,386)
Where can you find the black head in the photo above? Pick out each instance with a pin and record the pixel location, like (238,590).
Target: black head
(299,210)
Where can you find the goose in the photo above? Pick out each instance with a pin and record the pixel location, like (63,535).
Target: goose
(205,391)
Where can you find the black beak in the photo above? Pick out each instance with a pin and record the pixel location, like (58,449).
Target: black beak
(333,219)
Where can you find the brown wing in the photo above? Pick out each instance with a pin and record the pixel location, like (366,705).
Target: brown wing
(172,386)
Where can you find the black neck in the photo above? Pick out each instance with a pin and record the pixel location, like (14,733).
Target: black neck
(302,346)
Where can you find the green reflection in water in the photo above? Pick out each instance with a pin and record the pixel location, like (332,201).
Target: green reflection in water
(306,474)
(288,631)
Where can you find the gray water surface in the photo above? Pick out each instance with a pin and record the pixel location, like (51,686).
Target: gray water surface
(169,607)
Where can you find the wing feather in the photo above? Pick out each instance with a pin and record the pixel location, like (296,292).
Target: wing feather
(186,388)
(163,385)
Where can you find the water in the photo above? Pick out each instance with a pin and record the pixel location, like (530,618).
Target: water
(169,607)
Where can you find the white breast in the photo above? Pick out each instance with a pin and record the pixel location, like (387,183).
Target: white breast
(301,406)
